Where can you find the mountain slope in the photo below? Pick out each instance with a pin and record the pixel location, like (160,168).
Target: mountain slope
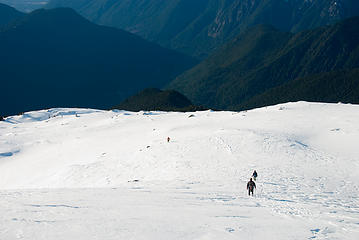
(68,61)
(198,27)
(8,14)
(263,58)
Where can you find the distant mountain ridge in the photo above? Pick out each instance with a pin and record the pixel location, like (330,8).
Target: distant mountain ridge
(199,27)
(263,58)
(25,5)
(68,61)
(8,14)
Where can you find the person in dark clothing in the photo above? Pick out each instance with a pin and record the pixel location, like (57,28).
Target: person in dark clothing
(255,175)
(251,186)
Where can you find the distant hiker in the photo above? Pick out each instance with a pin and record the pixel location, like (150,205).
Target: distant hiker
(255,175)
(168,139)
(251,186)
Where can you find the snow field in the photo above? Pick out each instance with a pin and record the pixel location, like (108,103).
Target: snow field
(90,174)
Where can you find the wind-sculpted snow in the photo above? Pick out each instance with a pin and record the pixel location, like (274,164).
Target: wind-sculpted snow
(43,115)
(90,174)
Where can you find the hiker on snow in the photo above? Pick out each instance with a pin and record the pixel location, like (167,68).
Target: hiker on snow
(255,175)
(251,186)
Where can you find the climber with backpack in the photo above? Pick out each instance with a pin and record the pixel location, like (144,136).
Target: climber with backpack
(255,175)
(250,187)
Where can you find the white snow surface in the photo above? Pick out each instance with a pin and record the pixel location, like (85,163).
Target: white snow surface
(91,174)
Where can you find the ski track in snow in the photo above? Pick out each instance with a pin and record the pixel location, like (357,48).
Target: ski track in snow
(89,174)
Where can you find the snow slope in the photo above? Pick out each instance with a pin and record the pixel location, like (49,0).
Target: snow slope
(90,174)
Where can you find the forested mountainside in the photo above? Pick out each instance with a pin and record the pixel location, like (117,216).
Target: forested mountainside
(263,58)
(153,99)
(199,27)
